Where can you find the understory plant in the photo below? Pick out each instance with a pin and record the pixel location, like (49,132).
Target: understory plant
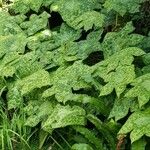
(75,74)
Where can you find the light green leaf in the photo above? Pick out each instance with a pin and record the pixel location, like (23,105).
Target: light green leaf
(138,124)
(141,89)
(88,19)
(43,110)
(81,146)
(116,41)
(66,79)
(117,71)
(35,23)
(36,80)
(63,116)
(12,43)
(121,108)
(20,6)
(72,9)
(8,24)
(14,97)
(123,6)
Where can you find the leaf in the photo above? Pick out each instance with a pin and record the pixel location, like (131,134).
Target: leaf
(14,97)
(20,6)
(123,6)
(81,146)
(121,108)
(35,23)
(116,41)
(66,79)
(63,116)
(72,9)
(82,49)
(42,111)
(88,134)
(146,58)
(117,71)
(140,144)
(141,89)
(12,43)
(103,129)
(8,25)
(35,80)
(138,124)
(88,19)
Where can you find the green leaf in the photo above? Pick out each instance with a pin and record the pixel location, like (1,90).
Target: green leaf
(82,49)
(138,124)
(8,24)
(66,79)
(121,108)
(146,58)
(63,116)
(35,23)
(123,6)
(20,6)
(141,89)
(140,144)
(36,80)
(72,9)
(42,111)
(14,97)
(116,41)
(88,134)
(81,146)
(103,129)
(12,43)
(88,19)
(117,71)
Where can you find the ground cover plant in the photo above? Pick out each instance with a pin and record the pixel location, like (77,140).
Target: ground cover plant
(75,75)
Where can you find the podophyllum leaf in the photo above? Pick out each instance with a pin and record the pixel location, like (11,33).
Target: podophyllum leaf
(121,108)
(123,6)
(141,89)
(118,80)
(41,113)
(36,80)
(140,144)
(116,41)
(88,134)
(72,9)
(146,69)
(28,64)
(66,79)
(15,100)
(8,24)
(81,50)
(63,116)
(35,23)
(81,146)
(20,6)
(12,43)
(138,124)
(103,129)
(88,19)
(146,58)
(117,71)
(66,34)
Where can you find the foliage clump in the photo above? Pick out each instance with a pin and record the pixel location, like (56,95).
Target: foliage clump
(74,74)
